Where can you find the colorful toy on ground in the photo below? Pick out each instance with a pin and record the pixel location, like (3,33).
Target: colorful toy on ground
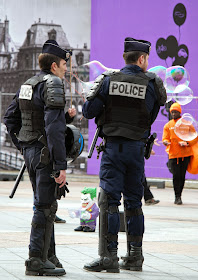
(89,211)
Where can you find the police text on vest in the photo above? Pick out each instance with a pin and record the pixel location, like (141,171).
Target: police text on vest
(127,89)
(26,92)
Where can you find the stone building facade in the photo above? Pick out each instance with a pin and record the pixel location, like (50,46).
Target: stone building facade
(19,64)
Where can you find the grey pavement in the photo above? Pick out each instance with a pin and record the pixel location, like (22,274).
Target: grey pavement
(170,244)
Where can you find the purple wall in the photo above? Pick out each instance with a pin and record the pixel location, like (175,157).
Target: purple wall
(112,21)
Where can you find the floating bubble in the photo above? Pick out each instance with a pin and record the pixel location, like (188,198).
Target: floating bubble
(160,71)
(175,76)
(86,86)
(169,96)
(76,86)
(186,128)
(186,116)
(183,94)
(95,68)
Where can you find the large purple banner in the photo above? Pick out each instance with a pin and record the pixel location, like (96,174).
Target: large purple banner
(170,25)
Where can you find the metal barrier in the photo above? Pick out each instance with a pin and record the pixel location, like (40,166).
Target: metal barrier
(11,160)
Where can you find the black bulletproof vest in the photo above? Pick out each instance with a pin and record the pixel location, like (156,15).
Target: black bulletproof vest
(32,116)
(125,113)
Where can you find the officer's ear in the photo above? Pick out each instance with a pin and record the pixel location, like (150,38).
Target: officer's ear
(54,66)
(141,59)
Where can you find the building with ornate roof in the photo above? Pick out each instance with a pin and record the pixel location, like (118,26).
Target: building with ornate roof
(19,64)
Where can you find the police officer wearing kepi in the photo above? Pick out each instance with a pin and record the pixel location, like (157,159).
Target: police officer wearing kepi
(36,122)
(124,104)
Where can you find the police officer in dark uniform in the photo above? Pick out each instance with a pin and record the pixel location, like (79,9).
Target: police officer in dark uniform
(124,104)
(36,122)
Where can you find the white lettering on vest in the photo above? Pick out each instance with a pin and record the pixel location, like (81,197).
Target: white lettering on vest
(127,89)
(26,92)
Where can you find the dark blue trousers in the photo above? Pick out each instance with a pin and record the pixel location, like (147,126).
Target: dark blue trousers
(43,188)
(121,172)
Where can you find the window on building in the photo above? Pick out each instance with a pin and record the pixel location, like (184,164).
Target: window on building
(52,34)
(80,58)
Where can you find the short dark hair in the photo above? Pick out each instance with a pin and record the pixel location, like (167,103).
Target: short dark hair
(132,57)
(46,60)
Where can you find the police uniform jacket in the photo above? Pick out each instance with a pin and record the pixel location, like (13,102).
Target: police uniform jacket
(94,108)
(54,126)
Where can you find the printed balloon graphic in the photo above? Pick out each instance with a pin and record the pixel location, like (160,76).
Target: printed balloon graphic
(172,46)
(179,14)
(181,56)
(161,48)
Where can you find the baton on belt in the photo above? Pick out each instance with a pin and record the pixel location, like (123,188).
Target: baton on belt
(93,144)
(18,179)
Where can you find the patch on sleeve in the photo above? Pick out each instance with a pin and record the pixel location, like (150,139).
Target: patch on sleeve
(26,92)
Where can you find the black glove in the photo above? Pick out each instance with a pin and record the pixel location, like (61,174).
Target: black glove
(61,191)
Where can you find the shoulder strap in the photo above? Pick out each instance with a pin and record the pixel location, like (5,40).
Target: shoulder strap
(33,81)
(159,87)
(94,90)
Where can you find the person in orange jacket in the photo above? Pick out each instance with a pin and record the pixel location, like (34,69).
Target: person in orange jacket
(179,152)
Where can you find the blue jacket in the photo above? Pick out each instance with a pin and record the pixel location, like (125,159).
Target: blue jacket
(94,107)
(55,126)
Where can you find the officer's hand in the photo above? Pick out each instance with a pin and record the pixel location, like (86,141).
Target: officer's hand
(72,112)
(61,180)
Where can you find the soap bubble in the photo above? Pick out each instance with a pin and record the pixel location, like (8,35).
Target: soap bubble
(86,86)
(188,116)
(175,76)
(183,94)
(95,68)
(186,128)
(169,96)
(160,71)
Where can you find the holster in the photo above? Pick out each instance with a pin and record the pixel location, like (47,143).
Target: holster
(149,145)
(45,155)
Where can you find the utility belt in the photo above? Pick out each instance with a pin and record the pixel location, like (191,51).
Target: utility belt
(36,143)
(148,143)
(110,139)
(42,144)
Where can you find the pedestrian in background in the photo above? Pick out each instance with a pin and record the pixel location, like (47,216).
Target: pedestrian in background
(179,152)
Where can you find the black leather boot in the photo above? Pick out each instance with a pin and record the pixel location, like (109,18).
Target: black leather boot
(133,259)
(36,267)
(55,261)
(178,200)
(109,263)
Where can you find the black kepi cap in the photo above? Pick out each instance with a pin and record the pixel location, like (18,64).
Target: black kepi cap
(131,44)
(52,47)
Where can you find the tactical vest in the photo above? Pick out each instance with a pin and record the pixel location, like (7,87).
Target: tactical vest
(33,116)
(126,113)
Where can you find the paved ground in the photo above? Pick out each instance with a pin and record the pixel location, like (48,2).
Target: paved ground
(170,241)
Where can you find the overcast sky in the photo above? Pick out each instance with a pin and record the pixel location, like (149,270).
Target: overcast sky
(73,15)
